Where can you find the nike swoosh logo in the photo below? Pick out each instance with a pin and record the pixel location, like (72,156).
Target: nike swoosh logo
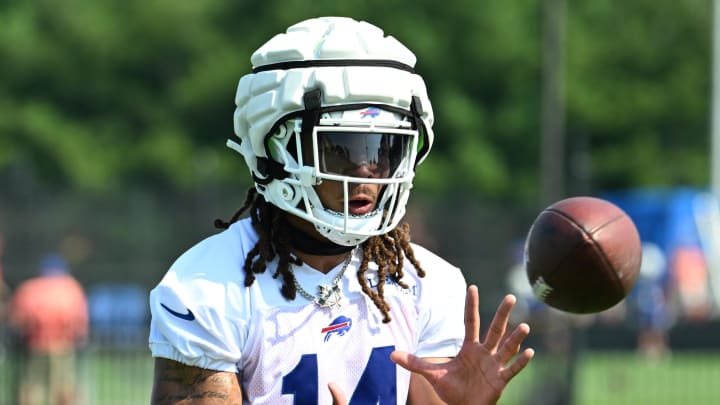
(189,316)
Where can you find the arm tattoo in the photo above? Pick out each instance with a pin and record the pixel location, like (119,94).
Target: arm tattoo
(179,384)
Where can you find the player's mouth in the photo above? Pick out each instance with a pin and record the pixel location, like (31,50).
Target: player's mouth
(360,205)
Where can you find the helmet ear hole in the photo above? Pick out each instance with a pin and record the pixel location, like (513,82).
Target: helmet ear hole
(281,191)
(280,132)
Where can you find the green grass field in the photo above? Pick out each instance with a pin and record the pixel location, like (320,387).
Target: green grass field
(105,377)
(621,378)
(618,378)
(124,378)
(118,378)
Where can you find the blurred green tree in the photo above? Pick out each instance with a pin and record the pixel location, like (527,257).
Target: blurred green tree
(639,90)
(99,96)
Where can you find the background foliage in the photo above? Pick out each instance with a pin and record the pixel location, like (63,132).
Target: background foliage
(102,95)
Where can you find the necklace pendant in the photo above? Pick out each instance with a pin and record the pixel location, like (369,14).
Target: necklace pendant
(329,296)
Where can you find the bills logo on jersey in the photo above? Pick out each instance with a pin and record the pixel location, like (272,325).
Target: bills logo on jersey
(372,112)
(339,326)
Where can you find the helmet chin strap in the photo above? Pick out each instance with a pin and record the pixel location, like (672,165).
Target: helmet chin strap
(310,245)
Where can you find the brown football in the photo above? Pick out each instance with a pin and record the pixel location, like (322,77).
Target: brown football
(582,255)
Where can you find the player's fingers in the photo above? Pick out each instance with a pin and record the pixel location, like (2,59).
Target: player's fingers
(337,395)
(511,346)
(472,315)
(518,365)
(498,325)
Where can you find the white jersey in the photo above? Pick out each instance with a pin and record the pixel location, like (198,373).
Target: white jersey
(288,351)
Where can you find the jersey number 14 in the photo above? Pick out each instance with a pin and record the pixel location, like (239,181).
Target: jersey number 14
(377,384)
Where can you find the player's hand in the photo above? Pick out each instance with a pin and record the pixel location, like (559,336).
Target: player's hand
(481,370)
(337,395)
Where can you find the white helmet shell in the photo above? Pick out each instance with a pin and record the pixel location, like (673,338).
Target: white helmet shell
(346,65)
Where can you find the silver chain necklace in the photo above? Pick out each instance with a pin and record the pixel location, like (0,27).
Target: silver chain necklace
(329,296)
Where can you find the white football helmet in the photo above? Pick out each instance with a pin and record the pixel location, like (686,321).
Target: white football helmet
(330,94)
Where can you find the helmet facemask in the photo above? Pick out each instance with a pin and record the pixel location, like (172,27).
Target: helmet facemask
(363,154)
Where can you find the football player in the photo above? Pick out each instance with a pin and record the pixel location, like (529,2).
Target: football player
(318,296)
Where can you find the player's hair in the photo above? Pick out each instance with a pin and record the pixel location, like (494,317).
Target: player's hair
(388,251)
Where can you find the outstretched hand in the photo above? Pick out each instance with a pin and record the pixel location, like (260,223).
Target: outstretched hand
(480,372)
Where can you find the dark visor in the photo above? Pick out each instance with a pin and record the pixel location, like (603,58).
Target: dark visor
(359,154)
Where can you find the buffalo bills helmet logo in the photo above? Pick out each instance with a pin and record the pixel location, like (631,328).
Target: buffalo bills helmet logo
(339,326)
(372,112)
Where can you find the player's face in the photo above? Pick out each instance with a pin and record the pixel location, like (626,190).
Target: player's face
(356,155)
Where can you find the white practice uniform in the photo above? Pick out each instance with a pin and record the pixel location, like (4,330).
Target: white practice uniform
(288,351)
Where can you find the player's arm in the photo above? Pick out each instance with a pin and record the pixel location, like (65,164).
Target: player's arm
(177,383)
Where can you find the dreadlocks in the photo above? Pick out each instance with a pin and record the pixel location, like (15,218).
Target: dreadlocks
(388,251)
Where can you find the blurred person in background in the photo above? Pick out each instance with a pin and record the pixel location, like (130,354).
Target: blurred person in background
(651,302)
(319,296)
(49,315)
